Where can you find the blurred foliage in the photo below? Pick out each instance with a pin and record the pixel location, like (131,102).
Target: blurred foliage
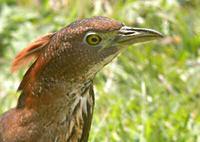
(151,93)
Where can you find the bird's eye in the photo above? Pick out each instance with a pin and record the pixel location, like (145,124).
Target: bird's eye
(93,39)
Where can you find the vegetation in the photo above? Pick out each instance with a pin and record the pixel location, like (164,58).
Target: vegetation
(151,93)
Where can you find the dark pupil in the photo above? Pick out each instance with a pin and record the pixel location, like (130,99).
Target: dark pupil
(94,39)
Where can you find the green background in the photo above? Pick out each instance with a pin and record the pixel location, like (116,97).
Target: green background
(150,93)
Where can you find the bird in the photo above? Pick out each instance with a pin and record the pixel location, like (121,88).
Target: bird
(56,101)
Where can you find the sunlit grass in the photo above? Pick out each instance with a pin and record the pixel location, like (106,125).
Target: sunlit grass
(150,93)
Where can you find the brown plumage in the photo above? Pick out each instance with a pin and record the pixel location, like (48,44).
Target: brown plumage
(57,99)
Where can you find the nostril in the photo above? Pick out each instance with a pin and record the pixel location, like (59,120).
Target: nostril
(126,32)
(129,32)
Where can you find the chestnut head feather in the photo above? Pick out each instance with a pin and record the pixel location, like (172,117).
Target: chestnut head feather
(31,52)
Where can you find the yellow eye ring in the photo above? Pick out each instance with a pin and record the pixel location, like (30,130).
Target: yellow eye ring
(93,39)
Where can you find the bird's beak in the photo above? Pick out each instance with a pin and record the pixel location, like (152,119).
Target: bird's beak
(128,35)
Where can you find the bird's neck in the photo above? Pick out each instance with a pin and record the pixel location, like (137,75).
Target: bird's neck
(66,106)
(51,91)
